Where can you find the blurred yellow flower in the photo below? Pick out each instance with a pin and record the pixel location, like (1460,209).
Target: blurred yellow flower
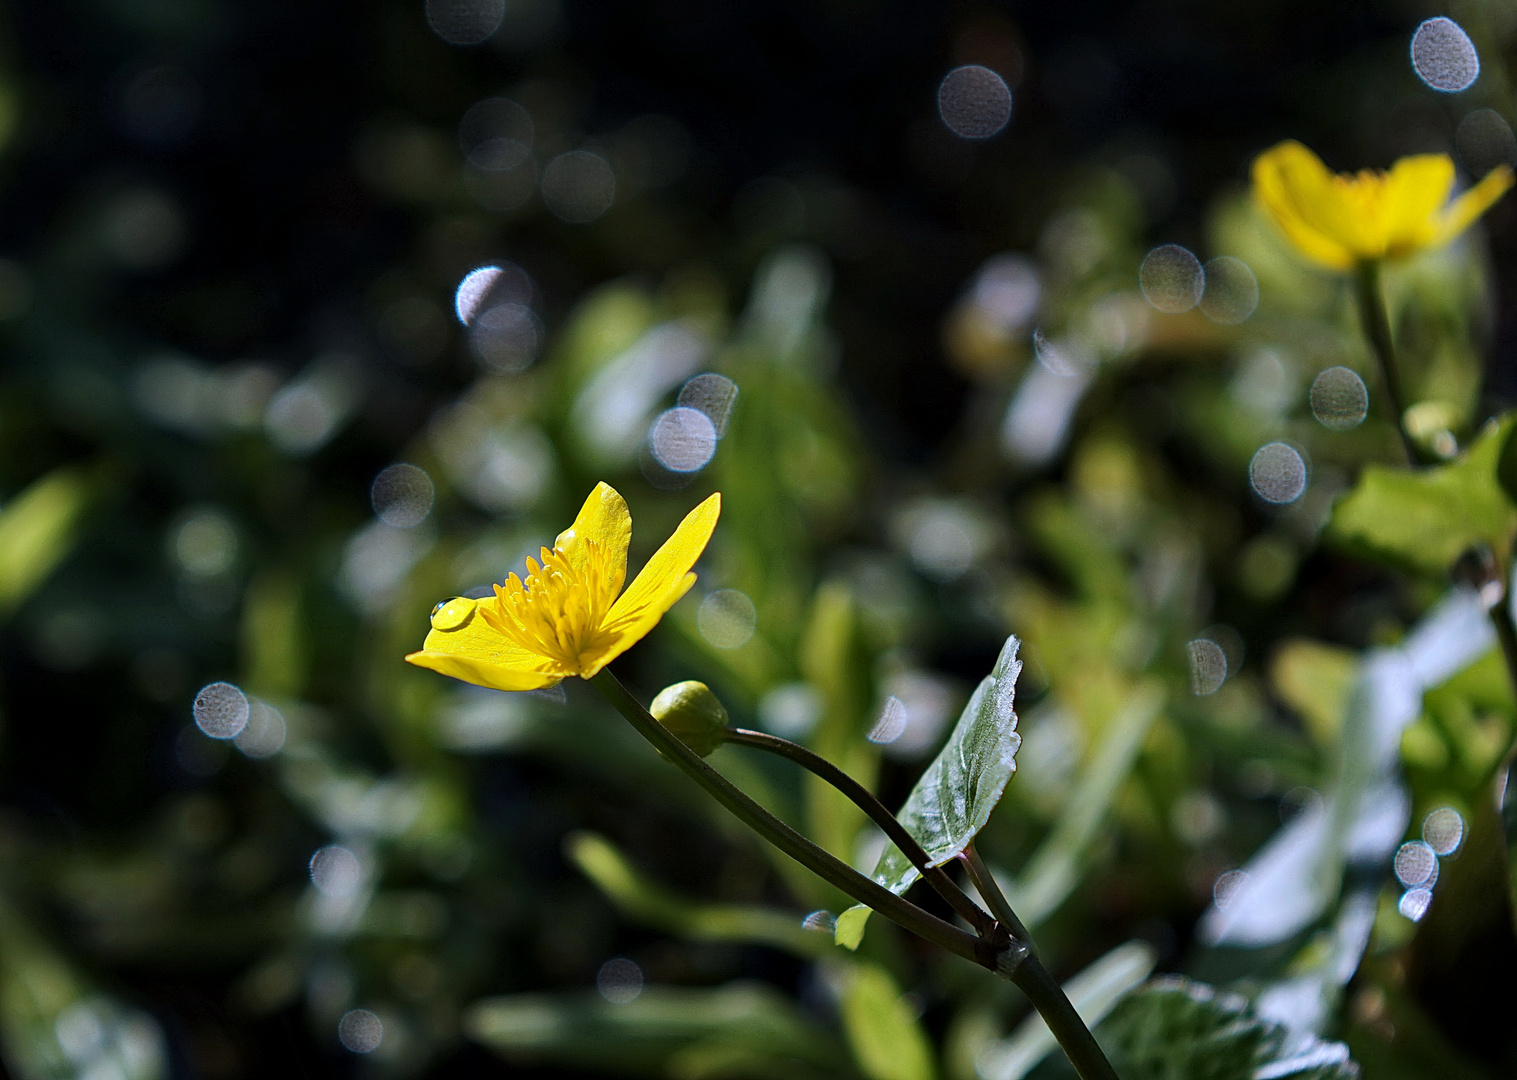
(1342,220)
(567,618)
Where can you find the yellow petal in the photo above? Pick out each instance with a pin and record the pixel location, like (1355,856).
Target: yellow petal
(661,582)
(596,544)
(1463,211)
(478,654)
(1300,194)
(1415,191)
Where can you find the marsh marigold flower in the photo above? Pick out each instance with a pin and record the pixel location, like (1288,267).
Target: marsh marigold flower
(567,617)
(1340,220)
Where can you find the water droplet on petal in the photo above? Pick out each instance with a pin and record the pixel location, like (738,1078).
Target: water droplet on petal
(453,614)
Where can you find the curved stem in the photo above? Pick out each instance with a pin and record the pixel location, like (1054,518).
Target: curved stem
(1377,329)
(792,843)
(991,893)
(866,801)
(1033,979)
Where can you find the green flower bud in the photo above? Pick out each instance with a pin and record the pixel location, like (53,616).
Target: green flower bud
(692,712)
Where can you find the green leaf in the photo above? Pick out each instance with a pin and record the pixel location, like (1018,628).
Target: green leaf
(1178,1029)
(953,799)
(36,531)
(664,1031)
(1425,519)
(849,931)
(887,1041)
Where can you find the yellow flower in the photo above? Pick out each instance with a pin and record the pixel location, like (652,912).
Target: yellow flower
(1345,219)
(567,618)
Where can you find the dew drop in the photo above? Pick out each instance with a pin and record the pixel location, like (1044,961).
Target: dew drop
(822,922)
(1485,140)
(1230,292)
(265,732)
(486,287)
(578,186)
(495,134)
(1226,886)
(1339,398)
(1208,666)
(1416,864)
(1414,903)
(1277,473)
(360,1031)
(465,22)
(221,710)
(726,619)
(1171,279)
(974,102)
(336,872)
(402,496)
(713,395)
(506,338)
(619,981)
(1444,57)
(892,722)
(683,439)
(1443,829)
(453,614)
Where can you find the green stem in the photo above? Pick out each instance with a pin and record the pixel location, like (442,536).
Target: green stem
(991,893)
(865,800)
(1377,329)
(1033,979)
(835,872)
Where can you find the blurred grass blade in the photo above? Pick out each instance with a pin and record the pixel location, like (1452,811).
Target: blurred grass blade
(834,660)
(887,1041)
(756,1030)
(650,903)
(37,530)
(1054,869)
(1093,993)
(273,637)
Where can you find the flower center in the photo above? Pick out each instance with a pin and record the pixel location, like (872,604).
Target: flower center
(557,610)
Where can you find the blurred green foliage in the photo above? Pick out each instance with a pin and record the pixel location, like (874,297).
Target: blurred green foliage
(229,310)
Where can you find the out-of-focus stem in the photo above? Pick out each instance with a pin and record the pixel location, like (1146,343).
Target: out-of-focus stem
(865,800)
(1377,329)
